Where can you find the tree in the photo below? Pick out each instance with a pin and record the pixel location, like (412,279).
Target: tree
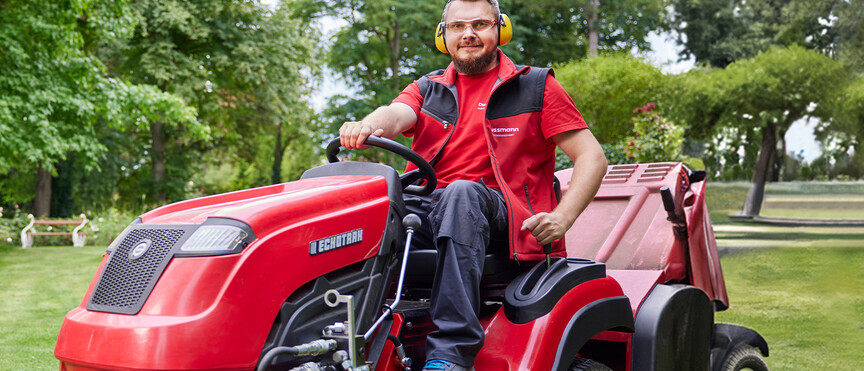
(240,65)
(56,92)
(849,29)
(761,97)
(607,89)
(849,117)
(719,32)
(383,46)
(551,31)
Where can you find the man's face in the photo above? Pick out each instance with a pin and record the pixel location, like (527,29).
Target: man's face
(473,51)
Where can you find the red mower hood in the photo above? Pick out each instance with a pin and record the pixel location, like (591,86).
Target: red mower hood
(270,207)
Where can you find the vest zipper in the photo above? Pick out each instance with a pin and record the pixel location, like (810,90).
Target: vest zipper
(502,182)
(528,199)
(439,119)
(435,158)
(447,124)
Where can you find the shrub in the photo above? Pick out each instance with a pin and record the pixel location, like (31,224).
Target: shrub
(654,138)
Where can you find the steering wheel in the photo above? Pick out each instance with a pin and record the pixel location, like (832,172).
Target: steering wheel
(424,171)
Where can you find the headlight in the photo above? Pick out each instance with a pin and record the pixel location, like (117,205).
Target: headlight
(214,238)
(217,236)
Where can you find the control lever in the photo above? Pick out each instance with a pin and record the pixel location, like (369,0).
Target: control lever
(669,205)
(674,213)
(411,222)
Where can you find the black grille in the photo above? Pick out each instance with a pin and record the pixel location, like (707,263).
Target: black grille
(126,282)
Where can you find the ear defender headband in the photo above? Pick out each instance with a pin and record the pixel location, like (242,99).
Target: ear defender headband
(505,33)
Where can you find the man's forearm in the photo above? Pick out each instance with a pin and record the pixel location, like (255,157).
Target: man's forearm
(384,118)
(589,167)
(386,121)
(588,172)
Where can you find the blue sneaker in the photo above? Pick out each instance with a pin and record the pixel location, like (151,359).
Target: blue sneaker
(442,365)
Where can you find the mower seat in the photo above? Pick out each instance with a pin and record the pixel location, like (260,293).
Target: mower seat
(498,271)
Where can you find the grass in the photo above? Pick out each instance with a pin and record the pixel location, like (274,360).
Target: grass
(800,287)
(806,301)
(37,287)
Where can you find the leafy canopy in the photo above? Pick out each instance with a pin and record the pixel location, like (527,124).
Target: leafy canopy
(57,94)
(719,32)
(607,88)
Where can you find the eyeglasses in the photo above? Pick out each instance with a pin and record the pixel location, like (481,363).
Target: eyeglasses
(478,25)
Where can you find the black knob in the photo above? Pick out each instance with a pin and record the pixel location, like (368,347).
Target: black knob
(411,221)
(668,201)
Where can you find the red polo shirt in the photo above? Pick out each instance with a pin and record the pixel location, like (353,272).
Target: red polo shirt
(466,155)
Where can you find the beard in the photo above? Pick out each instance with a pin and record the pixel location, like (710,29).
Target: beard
(473,66)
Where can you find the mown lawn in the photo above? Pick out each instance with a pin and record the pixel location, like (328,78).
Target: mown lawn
(804,297)
(801,288)
(37,287)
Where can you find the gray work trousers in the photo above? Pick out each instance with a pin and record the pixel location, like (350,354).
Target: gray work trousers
(458,220)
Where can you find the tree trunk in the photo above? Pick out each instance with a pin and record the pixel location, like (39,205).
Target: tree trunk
(593,37)
(42,203)
(157,169)
(62,202)
(753,203)
(779,160)
(278,151)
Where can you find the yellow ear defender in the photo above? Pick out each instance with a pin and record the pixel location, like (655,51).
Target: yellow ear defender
(505,33)
(505,30)
(439,38)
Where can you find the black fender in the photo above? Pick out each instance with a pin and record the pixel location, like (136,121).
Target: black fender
(613,313)
(728,336)
(674,327)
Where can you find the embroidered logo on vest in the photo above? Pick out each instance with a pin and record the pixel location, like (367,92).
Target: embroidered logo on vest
(504,132)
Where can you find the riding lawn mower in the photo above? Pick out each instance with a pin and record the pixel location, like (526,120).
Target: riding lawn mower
(319,274)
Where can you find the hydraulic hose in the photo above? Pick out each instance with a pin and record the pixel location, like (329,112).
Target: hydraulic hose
(316,347)
(403,358)
(394,339)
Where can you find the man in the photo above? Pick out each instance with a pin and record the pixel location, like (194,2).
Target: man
(490,129)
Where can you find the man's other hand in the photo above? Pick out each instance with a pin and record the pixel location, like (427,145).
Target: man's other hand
(547,227)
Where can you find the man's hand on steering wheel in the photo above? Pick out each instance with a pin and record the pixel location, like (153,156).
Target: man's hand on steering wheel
(424,170)
(353,134)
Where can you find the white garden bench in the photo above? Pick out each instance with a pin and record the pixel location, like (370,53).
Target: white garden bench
(77,236)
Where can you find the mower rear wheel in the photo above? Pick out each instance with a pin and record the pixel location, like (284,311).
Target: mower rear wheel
(744,357)
(584,364)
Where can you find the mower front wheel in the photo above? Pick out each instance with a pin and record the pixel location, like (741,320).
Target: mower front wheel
(583,364)
(744,357)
